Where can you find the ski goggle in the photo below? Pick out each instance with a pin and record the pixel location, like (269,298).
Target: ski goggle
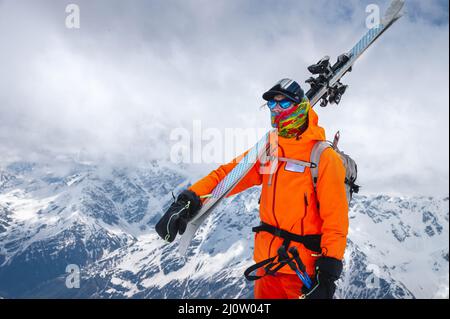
(284,104)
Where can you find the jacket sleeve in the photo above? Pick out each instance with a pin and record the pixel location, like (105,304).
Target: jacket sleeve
(205,185)
(333,205)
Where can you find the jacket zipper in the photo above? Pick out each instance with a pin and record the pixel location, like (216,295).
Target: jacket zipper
(274,197)
(304,215)
(273,206)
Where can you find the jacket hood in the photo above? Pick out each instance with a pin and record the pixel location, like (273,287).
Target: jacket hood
(314,132)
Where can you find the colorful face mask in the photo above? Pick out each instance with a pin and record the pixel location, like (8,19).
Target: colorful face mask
(292,122)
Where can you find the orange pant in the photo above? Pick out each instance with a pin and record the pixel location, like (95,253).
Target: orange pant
(279,286)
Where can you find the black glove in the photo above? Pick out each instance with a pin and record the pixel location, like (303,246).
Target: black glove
(178,215)
(328,270)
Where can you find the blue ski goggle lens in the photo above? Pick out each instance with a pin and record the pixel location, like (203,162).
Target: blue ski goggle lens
(284,104)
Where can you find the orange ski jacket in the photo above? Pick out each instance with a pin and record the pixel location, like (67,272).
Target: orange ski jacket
(290,202)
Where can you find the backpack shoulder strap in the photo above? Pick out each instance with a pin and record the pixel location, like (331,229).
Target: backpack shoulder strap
(316,152)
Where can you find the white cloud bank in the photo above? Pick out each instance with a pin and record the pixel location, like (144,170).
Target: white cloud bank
(134,70)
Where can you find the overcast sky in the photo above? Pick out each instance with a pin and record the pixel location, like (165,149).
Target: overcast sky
(137,69)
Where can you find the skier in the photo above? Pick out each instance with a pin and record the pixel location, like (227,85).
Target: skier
(293,212)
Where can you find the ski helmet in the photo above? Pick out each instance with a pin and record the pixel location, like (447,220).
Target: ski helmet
(288,88)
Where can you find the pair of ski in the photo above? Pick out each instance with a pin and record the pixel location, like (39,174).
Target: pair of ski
(326,88)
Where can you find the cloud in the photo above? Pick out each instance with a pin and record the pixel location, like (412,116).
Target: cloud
(115,87)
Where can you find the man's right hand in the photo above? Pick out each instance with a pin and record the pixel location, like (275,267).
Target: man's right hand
(175,219)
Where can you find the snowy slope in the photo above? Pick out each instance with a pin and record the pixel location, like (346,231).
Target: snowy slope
(407,239)
(102,219)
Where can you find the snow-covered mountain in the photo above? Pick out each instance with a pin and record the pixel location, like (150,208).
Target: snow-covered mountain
(102,219)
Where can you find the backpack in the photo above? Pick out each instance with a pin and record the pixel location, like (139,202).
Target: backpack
(351,169)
